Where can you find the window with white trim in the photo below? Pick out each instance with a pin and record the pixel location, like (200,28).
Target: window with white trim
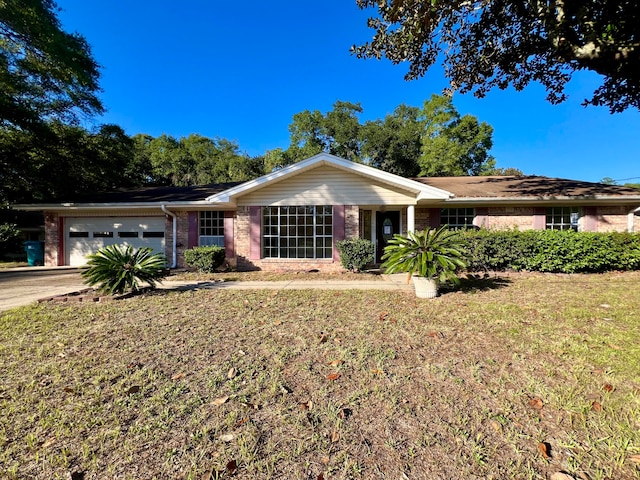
(457,218)
(211,229)
(563,218)
(297,232)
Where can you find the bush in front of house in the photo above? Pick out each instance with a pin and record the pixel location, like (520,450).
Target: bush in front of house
(116,269)
(205,259)
(9,238)
(355,254)
(556,251)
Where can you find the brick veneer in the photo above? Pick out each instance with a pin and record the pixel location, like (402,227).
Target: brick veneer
(52,226)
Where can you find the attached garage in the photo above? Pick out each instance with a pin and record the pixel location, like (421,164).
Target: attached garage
(86,235)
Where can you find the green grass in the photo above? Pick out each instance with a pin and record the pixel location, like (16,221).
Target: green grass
(343,384)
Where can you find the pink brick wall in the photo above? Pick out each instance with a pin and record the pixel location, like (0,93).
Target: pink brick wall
(52,226)
(502,218)
(613,218)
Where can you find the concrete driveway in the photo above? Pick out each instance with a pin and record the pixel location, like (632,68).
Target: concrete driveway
(22,286)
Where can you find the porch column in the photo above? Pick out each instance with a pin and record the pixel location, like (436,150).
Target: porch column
(411,218)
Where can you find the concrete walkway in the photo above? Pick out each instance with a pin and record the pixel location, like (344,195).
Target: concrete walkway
(23,286)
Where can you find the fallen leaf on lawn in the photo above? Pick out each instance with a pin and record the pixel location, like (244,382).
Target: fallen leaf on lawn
(232,466)
(242,421)
(231,373)
(323,338)
(433,334)
(306,405)
(383,316)
(178,376)
(375,371)
(227,437)
(562,476)
(277,323)
(615,347)
(608,387)
(336,363)
(596,407)
(68,389)
(337,340)
(209,474)
(597,371)
(255,406)
(48,442)
(635,458)
(333,376)
(345,413)
(284,389)
(320,476)
(219,401)
(536,403)
(605,305)
(545,449)
(133,389)
(496,426)
(335,436)
(325,460)
(77,476)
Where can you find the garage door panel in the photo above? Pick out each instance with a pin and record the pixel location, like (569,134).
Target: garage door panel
(85,236)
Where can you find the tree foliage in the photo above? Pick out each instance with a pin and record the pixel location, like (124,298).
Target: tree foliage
(485,44)
(45,73)
(434,140)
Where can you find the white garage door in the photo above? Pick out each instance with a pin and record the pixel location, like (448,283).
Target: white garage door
(84,236)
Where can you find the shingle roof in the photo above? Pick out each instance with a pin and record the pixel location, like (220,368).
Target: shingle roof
(525,187)
(157,194)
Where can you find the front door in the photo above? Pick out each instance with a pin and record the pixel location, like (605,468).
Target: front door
(387,225)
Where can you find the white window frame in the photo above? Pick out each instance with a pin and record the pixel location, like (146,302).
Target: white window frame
(563,218)
(297,232)
(460,217)
(211,228)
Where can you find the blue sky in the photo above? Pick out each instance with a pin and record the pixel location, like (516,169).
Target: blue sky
(241,70)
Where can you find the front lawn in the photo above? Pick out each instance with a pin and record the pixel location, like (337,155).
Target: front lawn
(513,377)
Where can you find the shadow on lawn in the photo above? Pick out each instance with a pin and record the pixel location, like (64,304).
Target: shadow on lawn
(478,283)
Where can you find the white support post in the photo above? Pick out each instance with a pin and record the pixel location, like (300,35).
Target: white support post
(411,218)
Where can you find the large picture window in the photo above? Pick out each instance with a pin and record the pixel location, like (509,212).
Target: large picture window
(457,218)
(211,229)
(563,218)
(297,232)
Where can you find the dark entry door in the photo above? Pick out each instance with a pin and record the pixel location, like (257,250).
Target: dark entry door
(387,225)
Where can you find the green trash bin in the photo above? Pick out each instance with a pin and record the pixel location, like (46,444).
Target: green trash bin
(35,253)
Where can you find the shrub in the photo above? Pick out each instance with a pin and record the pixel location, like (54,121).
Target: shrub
(552,251)
(355,254)
(9,238)
(116,268)
(205,259)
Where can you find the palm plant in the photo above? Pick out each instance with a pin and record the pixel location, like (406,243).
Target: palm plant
(116,269)
(433,254)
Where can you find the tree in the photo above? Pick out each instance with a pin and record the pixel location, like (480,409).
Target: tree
(485,44)
(394,144)
(337,132)
(45,73)
(453,145)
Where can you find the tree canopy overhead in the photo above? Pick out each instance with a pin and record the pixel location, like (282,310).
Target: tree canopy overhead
(496,43)
(45,73)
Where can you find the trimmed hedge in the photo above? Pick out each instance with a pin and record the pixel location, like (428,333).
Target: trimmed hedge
(552,250)
(355,253)
(205,259)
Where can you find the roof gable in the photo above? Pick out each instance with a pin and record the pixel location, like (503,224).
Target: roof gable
(420,190)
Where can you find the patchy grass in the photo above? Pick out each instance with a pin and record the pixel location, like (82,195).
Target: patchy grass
(276,276)
(515,377)
(7,264)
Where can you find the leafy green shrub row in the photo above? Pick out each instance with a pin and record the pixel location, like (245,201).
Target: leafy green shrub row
(205,259)
(355,253)
(552,250)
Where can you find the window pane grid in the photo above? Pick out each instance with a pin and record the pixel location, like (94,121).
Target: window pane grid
(211,225)
(457,218)
(563,218)
(297,232)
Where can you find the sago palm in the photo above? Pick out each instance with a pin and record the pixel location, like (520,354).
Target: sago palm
(116,269)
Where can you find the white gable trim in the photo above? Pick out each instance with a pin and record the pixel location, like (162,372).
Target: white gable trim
(422,192)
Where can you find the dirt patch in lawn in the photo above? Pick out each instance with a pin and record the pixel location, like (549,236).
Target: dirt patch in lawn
(519,377)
